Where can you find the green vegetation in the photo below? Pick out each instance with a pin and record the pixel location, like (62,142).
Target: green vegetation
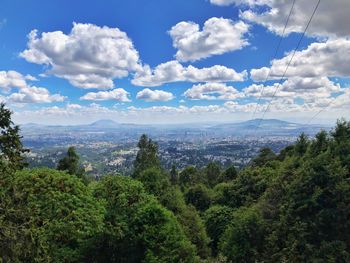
(11,148)
(286,207)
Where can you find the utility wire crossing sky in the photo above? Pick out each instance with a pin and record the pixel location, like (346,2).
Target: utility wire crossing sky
(178,61)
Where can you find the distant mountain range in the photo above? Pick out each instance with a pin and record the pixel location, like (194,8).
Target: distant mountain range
(267,127)
(273,127)
(104,123)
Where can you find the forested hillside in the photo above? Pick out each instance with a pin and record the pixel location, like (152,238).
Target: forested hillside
(288,207)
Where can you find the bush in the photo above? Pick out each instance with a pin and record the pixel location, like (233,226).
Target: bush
(48,216)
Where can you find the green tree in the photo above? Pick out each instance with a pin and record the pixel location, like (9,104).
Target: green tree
(199,196)
(313,214)
(341,144)
(11,147)
(147,156)
(155,181)
(320,144)
(212,173)
(70,163)
(189,176)
(48,216)
(174,175)
(286,152)
(243,240)
(189,219)
(217,218)
(229,174)
(138,228)
(265,155)
(194,229)
(246,189)
(301,145)
(341,132)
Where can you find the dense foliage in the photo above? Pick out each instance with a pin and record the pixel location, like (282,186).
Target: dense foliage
(288,207)
(11,148)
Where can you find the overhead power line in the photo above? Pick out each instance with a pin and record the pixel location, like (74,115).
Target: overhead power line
(286,69)
(320,111)
(274,56)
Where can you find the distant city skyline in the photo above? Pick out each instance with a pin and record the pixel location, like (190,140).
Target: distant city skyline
(154,62)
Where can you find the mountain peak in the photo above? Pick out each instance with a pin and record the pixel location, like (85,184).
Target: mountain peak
(104,123)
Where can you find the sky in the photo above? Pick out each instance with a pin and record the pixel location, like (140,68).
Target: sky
(174,61)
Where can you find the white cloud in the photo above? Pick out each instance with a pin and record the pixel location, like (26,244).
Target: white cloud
(26,93)
(116,94)
(34,94)
(73,106)
(229,111)
(331,19)
(154,95)
(308,89)
(88,57)
(173,71)
(317,60)
(212,91)
(11,79)
(218,36)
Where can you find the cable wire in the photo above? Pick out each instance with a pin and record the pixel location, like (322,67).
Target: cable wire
(290,61)
(320,111)
(274,56)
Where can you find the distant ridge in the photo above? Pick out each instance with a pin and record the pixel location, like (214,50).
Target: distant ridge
(262,122)
(104,123)
(267,127)
(257,122)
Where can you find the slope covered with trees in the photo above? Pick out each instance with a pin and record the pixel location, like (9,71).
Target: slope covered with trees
(288,207)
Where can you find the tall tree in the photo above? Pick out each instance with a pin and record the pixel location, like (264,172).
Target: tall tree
(147,156)
(11,147)
(265,155)
(301,145)
(137,227)
(174,175)
(320,143)
(70,163)
(212,173)
(229,174)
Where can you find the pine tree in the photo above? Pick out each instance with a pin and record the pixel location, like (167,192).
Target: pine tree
(301,145)
(173,175)
(70,163)
(11,147)
(147,156)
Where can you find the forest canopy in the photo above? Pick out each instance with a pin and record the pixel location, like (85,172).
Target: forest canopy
(293,206)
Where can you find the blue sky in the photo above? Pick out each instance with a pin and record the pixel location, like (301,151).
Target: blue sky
(172,61)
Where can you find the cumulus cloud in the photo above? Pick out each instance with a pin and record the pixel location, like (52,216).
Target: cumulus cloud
(212,91)
(280,107)
(11,79)
(317,60)
(173,71)
(116,94)
(307,89)
(34,95)
(26,93)
(88,57)
(218,36)
(331,19)
(154,95)
(297,87)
